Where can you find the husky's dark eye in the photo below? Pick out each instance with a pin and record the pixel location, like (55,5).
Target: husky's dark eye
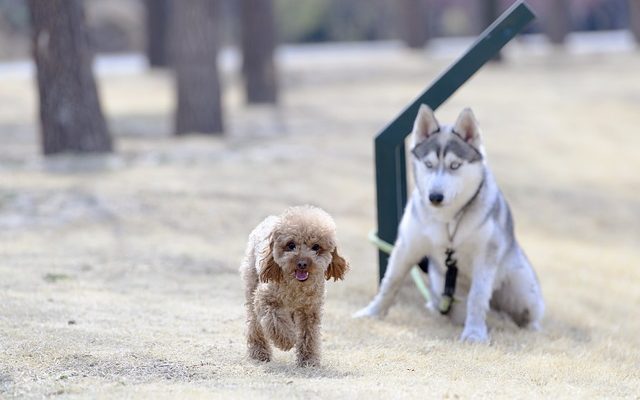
(290,246)
(455,165)
(315,247)
(428,164)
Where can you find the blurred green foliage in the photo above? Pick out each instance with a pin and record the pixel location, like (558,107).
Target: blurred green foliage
(301,20)
(336,20)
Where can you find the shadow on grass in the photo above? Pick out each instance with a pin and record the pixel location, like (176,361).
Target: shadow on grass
(289,370)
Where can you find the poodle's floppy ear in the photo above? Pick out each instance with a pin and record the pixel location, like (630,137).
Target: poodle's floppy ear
(269,270)
(337,268)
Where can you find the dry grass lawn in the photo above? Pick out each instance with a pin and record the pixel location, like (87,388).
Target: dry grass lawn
(118,275)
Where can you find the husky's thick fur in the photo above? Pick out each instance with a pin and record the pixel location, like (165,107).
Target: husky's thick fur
(456,204)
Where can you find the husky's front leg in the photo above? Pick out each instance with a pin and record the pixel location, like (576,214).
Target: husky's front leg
(400,263)
(475,325)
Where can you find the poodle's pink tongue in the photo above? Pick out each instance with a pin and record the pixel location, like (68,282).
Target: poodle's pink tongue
(302,275)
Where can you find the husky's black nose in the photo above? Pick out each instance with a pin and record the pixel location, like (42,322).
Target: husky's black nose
(436,198)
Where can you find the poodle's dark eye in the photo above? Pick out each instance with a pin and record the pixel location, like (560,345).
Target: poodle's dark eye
(291,246)
(315,247)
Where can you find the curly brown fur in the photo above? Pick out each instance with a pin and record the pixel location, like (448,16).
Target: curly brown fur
(337,268)
(287,261)
(269,270)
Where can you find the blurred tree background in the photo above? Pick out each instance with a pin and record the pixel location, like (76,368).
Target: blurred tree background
(185,37)
(114,25)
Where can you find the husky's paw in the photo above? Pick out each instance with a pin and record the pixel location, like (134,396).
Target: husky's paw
(369,311)
(534,326)
(474,335)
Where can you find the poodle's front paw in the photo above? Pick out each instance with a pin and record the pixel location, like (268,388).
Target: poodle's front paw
(369,311)
(475,334)
(259,353)
(310,361)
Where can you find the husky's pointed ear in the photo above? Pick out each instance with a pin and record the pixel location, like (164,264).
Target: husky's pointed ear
(467,127)
(424,126)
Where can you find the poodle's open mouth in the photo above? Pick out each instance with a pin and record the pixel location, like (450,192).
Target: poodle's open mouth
(302,275)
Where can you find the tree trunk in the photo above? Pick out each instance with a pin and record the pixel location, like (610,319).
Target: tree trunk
(258,46)
(488,11)
(414,17)
(70,113)
(157,24)
(194,57)
(558,23)
(634,18)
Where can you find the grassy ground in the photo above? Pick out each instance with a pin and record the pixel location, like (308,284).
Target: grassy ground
(118,274)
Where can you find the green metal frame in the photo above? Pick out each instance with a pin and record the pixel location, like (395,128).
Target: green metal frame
(391,175)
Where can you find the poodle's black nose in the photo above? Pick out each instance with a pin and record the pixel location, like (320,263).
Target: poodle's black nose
(303,263)
(436,198)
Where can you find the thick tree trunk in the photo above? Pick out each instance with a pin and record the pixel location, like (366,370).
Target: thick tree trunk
(558,23)
(258,46)
(634,18)
(70,113)
(194,57)
(414,17)
(487,12)
(157,24)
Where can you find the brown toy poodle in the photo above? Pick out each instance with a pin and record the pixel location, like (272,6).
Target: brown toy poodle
(287,261)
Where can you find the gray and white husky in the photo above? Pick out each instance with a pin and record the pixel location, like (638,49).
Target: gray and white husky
(457,207)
